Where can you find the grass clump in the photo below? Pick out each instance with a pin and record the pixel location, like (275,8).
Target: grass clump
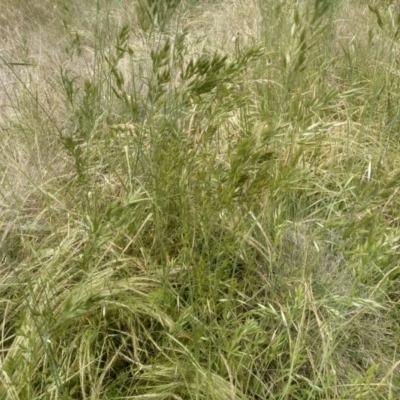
(199,201)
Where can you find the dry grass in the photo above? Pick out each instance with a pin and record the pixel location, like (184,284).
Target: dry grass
(199,201)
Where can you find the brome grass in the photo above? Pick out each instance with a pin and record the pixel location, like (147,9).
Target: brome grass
(199,200)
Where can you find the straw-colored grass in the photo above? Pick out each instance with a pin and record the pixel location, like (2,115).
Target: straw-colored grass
(199,200)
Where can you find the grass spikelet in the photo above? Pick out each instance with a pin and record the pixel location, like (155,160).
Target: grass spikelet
(199,200)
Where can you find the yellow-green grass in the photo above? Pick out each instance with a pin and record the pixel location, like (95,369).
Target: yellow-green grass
(199,200)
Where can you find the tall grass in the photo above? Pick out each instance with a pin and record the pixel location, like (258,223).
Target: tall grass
(199,200)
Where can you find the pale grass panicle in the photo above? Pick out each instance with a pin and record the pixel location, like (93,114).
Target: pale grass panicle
(199,200)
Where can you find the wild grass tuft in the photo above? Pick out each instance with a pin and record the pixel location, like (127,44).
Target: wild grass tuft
(199,200)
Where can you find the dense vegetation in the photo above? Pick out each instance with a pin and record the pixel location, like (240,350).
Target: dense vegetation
(199,199)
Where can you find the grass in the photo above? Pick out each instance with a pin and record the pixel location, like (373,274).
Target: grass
(199,200)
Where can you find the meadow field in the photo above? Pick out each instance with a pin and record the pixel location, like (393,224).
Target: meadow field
(199,199)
